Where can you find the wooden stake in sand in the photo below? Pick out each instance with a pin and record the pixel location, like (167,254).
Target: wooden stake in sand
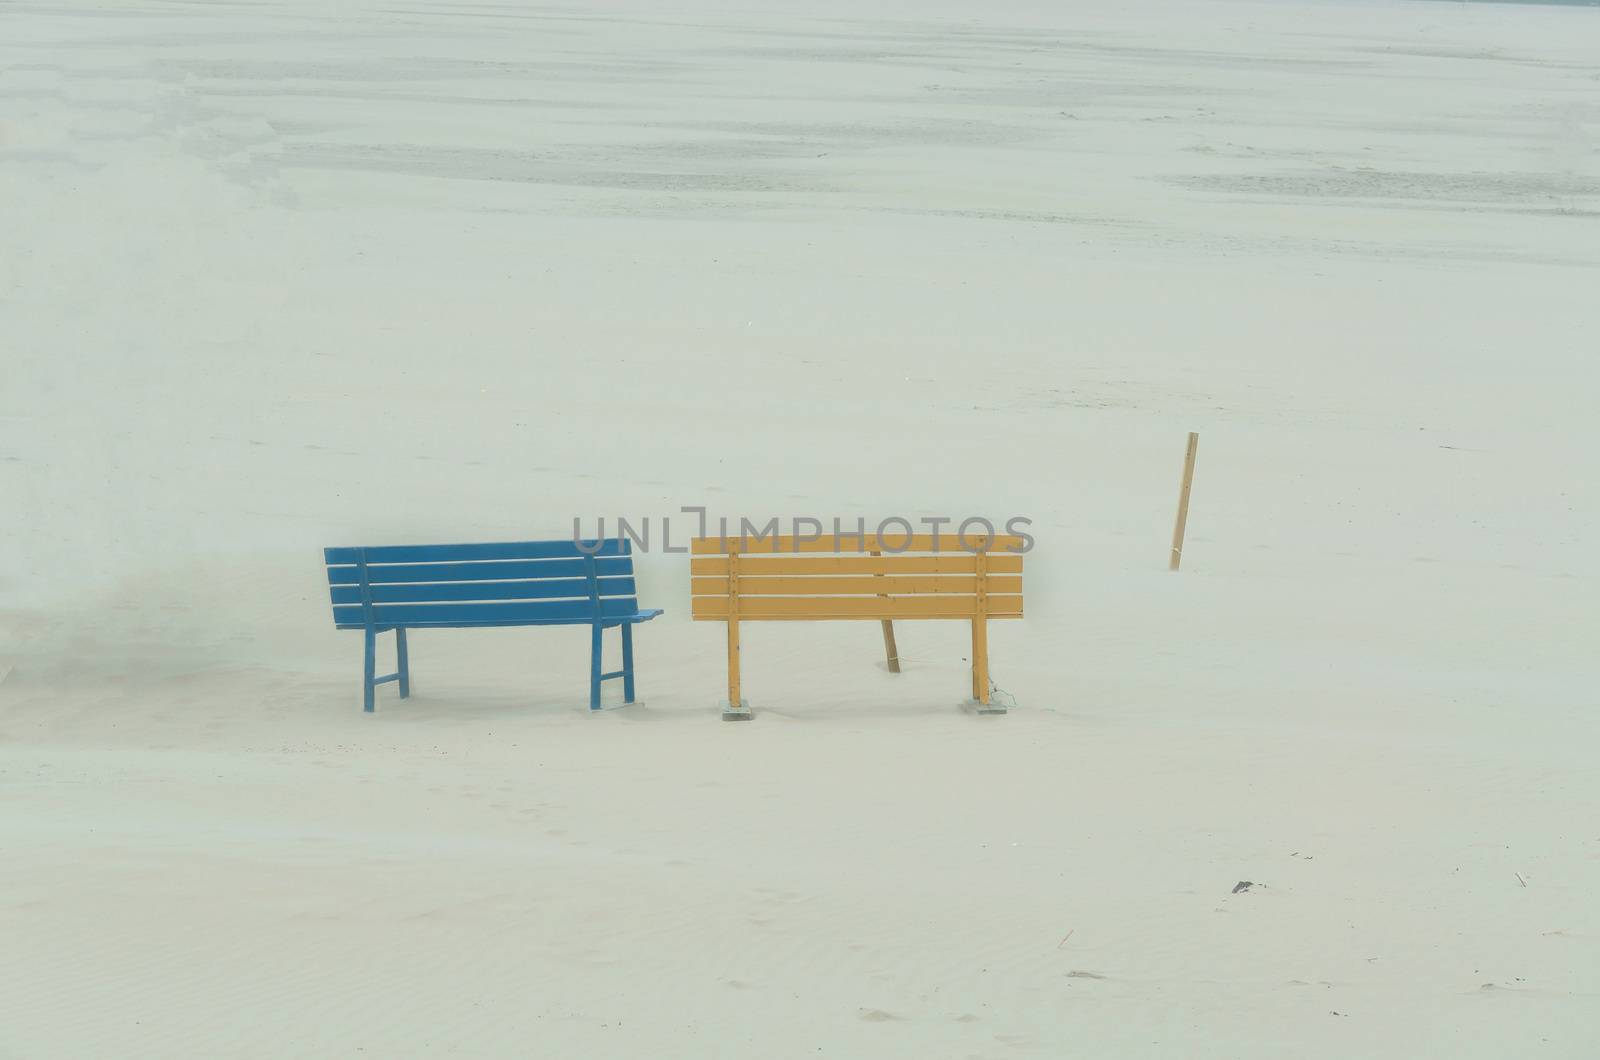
(1183,501)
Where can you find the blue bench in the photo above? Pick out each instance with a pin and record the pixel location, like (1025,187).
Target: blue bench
(518,583)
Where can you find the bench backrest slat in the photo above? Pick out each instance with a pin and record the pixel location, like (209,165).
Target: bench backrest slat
(821,585)
(889,543)
(503,583)
(501,570)
(563,549)
(552,612)
(813,564)
(445,592)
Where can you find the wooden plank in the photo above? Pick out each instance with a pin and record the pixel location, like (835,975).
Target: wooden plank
(484,614)
(491,570)
(892,543)
(609,623)
(731,611)
(980,636)
(819,608)
(1182,522)
(865,585)
(402,660)
(560,549)
(443,592)
(768,565)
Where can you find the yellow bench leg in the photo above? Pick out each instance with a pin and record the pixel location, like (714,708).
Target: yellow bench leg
(980,660)
(735,708)
(733,662)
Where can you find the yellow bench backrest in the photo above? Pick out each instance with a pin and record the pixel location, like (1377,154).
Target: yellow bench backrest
(856,577)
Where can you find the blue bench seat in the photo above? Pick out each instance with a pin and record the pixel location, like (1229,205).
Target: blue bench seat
(513,583)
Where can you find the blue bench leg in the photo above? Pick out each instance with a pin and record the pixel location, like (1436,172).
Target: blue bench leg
(594,667)
(371,671)
(627,662)
(404,661)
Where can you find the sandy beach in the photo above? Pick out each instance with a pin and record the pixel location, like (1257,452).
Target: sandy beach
(282,275)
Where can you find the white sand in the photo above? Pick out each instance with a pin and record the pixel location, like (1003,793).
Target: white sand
(275,276)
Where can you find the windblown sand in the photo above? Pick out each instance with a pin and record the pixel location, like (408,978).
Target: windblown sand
(281,275)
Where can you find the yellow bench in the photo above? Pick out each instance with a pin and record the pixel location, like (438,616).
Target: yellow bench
(850,576)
